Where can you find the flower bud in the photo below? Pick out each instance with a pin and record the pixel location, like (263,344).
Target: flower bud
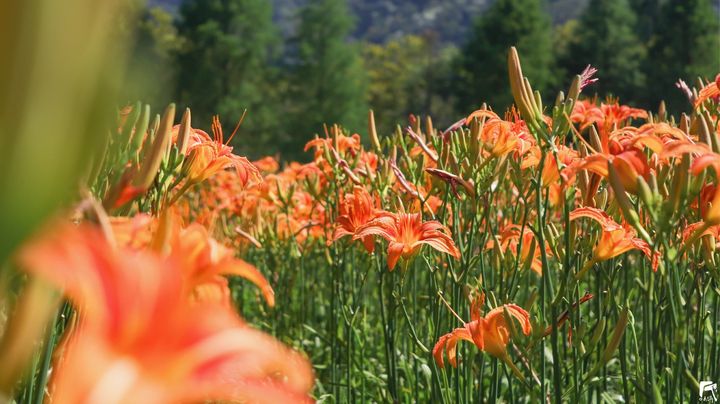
(153,159)
(184,132)
(372,131)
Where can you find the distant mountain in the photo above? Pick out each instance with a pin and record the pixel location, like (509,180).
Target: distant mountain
(380,20)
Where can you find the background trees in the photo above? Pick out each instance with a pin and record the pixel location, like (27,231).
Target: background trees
(307,62)
(687,46)
(226,65)
(605,38)
(327,79)
(481,66)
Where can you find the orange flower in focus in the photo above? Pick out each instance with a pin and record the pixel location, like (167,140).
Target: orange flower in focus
(529,252)
(139,339)
(606,116)
(490,333)
(614,239)
(501,137)
(207,157)
(356,210)
(710,206)
(712,90)
(406,234)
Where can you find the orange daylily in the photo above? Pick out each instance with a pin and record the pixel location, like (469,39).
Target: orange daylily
(406,234)
(712,90)
(501,137)
(606,116)
(207,156)
(356,210)
(204,261)
(711,208)
(490,333)
(139,339)
(201,259)
(614,239)
(530,253)
(344,145)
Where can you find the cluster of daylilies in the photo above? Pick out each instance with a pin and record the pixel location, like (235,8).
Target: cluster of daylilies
(568,224)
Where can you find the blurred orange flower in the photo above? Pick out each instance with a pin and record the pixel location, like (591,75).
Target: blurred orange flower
(139,339)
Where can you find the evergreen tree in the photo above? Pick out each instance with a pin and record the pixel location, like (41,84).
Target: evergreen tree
(328,81)
(606,39)
(482,65)
(151,73)
(648,14)
(685,47)
(226,67)
(405,76)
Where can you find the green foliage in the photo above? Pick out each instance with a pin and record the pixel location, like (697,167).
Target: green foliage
(151,71)
(405,76)
(605,39)
(226,66)
(481,69)
(687,46)
(328,82)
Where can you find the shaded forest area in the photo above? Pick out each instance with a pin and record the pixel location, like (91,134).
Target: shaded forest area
(327,61)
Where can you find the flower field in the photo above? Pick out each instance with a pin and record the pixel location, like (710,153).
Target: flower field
(548,253)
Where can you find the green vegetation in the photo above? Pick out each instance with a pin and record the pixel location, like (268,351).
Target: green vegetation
(312,62)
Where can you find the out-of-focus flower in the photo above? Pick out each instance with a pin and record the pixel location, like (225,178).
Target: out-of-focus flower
(140,339)
(204,261)
(200,258)
(614,238)
(356,210)
(267,165)
(490,333)
(406,234)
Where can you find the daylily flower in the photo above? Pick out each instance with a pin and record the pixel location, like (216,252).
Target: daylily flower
(207,156)
(712,90)
(490,333)
(356,210)
(530,253)
(140,339)
(201,259)
(406,234)
(607,116)
(710,208)
(501,137)
(614,239)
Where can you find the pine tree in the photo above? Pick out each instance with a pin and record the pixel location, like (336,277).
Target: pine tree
(328,81)
(606,39)
(482,65)
(648,15)
(226,67)
(685,47)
